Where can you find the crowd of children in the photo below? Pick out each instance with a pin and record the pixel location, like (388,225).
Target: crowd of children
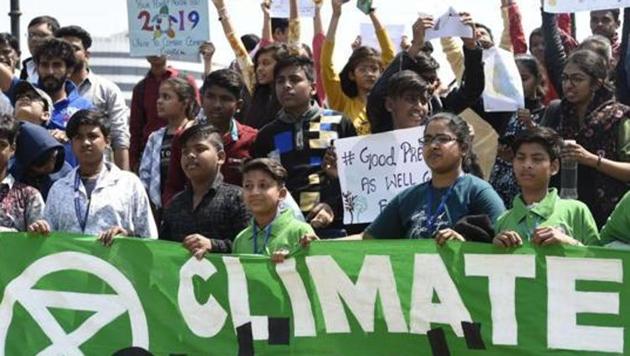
(247,164)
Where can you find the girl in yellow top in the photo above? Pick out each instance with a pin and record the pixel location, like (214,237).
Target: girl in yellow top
(347,91)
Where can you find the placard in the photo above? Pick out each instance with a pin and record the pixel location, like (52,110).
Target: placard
(280,8)
(167,27)
(504,90)
(374,168)
(561,6)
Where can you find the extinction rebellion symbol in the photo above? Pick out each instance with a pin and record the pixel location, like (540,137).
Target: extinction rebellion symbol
(106,307)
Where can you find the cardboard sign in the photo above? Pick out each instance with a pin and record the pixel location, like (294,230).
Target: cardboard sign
(281,8)
(448,25)
(561,6)
(167,27)
(504,90)
(373,169)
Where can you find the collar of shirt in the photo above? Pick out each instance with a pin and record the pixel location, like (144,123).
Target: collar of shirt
(168,73)
(309,114)
(213,188)
(105,177)
(87,82)
(8,181)
(281,219)
(543,208)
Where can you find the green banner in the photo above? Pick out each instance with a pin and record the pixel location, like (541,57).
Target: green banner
(69,295)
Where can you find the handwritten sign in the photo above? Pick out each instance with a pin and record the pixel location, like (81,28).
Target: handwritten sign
(167,27)
(280,8)
(503,91)
(373,169)
(560,6)
(449,25)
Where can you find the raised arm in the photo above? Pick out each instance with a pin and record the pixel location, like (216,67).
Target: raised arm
(318,41)
(514,26)
(555,56)
(329,77)
(6,77)
(294,24)
(388,49)
(245,62)
(267,35)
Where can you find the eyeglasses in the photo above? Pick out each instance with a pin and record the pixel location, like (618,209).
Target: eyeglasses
(574,79)
(437,139)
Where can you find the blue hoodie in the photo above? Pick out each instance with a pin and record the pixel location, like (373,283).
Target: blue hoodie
(33,143)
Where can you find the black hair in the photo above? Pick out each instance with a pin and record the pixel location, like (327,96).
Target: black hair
(405,81)
(88,118)
(593,64)
(202,132)
(270,166)
(56,48)
(614,12)
(9,128)
(75,31)
(53,24)
(7,38)
(227,79)
(279,23)
(250,41)
(477,24)
(301,62)
(185,92)
(598,44)
(277,50)
(533,66)
(425,63)
(363,53)
(464,136)
(549,139)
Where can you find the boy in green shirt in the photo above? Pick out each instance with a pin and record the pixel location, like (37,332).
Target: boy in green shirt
(272,232)
(617,228)
(538,214)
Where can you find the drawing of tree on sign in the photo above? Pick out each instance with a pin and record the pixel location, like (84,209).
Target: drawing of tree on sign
(354,204)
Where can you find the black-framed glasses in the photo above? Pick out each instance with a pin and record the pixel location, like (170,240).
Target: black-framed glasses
(574,79)
(441,139)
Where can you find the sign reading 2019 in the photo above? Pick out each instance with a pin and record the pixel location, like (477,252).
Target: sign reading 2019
(167,27)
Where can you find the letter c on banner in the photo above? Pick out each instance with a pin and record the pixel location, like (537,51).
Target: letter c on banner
(205,320)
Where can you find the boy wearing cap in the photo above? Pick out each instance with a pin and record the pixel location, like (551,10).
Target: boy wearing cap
(32,104)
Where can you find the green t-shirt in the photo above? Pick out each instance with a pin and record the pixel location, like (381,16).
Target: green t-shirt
(617,227)
(284,233)
(405,216)
(572,216)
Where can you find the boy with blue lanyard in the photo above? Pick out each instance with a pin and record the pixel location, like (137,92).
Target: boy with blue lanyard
(538,214)
(272,231)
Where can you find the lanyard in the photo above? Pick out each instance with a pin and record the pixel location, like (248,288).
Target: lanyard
(77,203)
(432,216)
(266,238)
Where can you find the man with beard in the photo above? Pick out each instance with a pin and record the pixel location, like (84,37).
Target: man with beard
(55,61)
(103,93)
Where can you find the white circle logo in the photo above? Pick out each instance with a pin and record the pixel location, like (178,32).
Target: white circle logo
(106,307)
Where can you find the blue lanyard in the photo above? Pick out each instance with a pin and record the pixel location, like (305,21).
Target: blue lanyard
(266,239)
(432,216)
(77,203)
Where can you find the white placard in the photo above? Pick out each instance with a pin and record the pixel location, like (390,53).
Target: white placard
(561,6)
(368,35)
(374,168)
(504,90)
(448,25)
(167,27)
(280,8)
